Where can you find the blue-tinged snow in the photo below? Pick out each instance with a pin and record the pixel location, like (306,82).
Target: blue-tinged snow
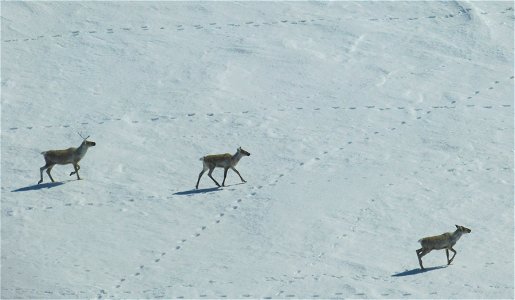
(370,125)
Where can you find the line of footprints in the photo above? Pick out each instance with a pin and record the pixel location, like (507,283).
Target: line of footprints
(160,293)
(281,294)
(352,108)
(9,212)
(218,218)
(156,118)
(182,27)
(234,206)
(465,11)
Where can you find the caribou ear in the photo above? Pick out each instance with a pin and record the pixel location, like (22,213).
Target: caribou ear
(457,226)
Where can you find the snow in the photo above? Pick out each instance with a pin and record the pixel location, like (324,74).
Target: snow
(370,125)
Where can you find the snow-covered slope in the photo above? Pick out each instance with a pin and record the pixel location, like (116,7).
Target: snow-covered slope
(370,125)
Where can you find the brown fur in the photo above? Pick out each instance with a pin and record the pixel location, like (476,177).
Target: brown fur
(216,157)
(62,157)
(225,161)
(438,242)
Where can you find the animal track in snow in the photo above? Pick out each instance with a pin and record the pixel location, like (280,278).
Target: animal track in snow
(182,241)
(352,108)
(255,24)
(156,119)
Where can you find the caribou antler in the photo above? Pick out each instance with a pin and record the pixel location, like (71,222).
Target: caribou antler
(71,155)
(82,136)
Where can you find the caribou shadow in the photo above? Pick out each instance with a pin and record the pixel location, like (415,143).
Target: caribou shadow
(199,191)
(36,187)
(417,271)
